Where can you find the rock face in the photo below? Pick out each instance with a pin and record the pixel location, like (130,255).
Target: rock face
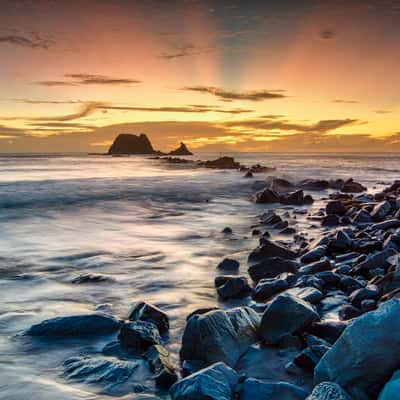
(182,150)
(219,336)
(257,389)
(328,391)
(76,325)
(285,315)
(149,313)
(366,353)
(126,143)
(216,382)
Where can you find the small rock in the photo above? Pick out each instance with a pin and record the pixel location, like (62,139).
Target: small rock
(232,287)
(347,312)
(229,264)
(138,336)
(142,311)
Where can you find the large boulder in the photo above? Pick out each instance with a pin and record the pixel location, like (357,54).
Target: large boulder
(266,196)
(76,325)
(232,287)
(216,382)
(328,391)
(142,311)
(126,143)
(271,267)
(366,354)
(391,390)
(286,315)
(268,249)
(267,288)
(258,389)
(219,336)
(138,336)
(182,150)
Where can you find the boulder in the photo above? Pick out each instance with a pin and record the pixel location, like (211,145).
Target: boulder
(112,377)
(314,255)
(219,336)
(329,330)
(391,390)
(217,382)
(362,217)
(138,336)
(371,292)
(266,196)
(282,185)
(232,287)
(351,186)
(142,311)
(76,325)
(328,391)
(348,311)
(222,163)
(380,211)
(267,288)
(366,353)
(309,294)
(271,267)
(286,315)
(335,207)
(257,389)
(229,264)
(310,357)
(182,150)
(268,249)
(126,143)
(293,198)
(314,184)
(385,225)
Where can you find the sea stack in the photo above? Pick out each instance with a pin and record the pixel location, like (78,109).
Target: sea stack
(182,150)
(126,143)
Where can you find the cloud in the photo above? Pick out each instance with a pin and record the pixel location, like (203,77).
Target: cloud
(185,51)
(383,111)
(341,101)
(224,94)
(327,34)
(88,79)
(33,101)
(35,42)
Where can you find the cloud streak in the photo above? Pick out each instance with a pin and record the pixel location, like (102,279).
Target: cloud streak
(88,79)
(36,42)
(185,51)
(230,95)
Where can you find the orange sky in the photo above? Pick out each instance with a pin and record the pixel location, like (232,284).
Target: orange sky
(302,75)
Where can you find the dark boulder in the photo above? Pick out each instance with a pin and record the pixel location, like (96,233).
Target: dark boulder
(267,288)
(268,249)
(182,150)
(335,207)
(229,264)
(76,325)
(314,184)
(271,267)
(138,336)
(381,210)
(328,330)
(347,312)
(371,292)
(222,163)
(309,294)
(232,287)
(142,311)
(310,357)
(314,254)
(350,186)
(266,196)
(126,143)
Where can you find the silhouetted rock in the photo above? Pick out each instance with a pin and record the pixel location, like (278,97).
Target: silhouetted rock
(126,143)
(182,150)
(222,163)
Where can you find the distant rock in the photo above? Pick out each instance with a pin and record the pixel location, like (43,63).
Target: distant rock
(126,143)
(182,150)
(222,163)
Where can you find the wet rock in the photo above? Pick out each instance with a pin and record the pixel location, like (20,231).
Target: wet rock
(309,281)
(219,336)
(295,198)
(370,292)
(335,207)
(285,315)
(362,217)
(201,311)
(391,390)
(309,294)
(351,186)
(288,231)
(328,330)
(229,264)
(341,242)
(267,288)
(368,305)
(369,341)
(248,174)
(268,249)
(385,225)
(328,277)
(314,184)
(76,325)
(271,267)
(348,312)
(328,391)
(282,185)
(381,210)
(138,336)
(314,255)
(349,284)
(91,278)
(378,260)
(158,358)
(222,163)
(113,377)
(216,382)
(330,220)
(142,311)
(270,218)
(317,266)
(258,389)
(255,232)
(227,231)
(232,287)
(310,357)
(266,196)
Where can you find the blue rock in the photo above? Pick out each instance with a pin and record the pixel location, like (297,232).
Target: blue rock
(138,336)
(328,391)
(76,325)
(391,390)
(213,383)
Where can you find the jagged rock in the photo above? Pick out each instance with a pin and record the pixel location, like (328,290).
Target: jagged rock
(271,267)
(285,315)
(182,150)
(222,163)
(317,266)
(389,224)
(266,288)
(113,377)
(381,210)
(268,249)
(365,354)
(76,325)
(158,358)
(232,287)
(282,185)
(351,186)
(138,336)
(91,278)
(310,357)
(258,389)
(309,294)
(328,330)
(126,143)
(314,255)
(219,336)
(328,391)
(229,264)
(266,196)
(309,281)
(216,382)
(347,312)
(362,217)
(142,311)
(293,198)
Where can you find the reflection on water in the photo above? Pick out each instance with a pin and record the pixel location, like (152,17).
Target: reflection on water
(151,231)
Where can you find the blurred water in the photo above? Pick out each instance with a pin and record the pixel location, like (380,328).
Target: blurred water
(153,229)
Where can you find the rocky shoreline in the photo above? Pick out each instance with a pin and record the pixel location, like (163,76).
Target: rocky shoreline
(321,320)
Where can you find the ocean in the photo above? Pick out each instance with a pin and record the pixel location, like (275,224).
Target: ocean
(146,229)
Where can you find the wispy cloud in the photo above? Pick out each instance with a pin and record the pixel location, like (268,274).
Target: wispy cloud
(88,79)
(34,42)
(185,51)
(383,111)
(327,34)
(341,101)
(225,94)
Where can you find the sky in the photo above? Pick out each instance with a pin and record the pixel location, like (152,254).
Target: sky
(270,75)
